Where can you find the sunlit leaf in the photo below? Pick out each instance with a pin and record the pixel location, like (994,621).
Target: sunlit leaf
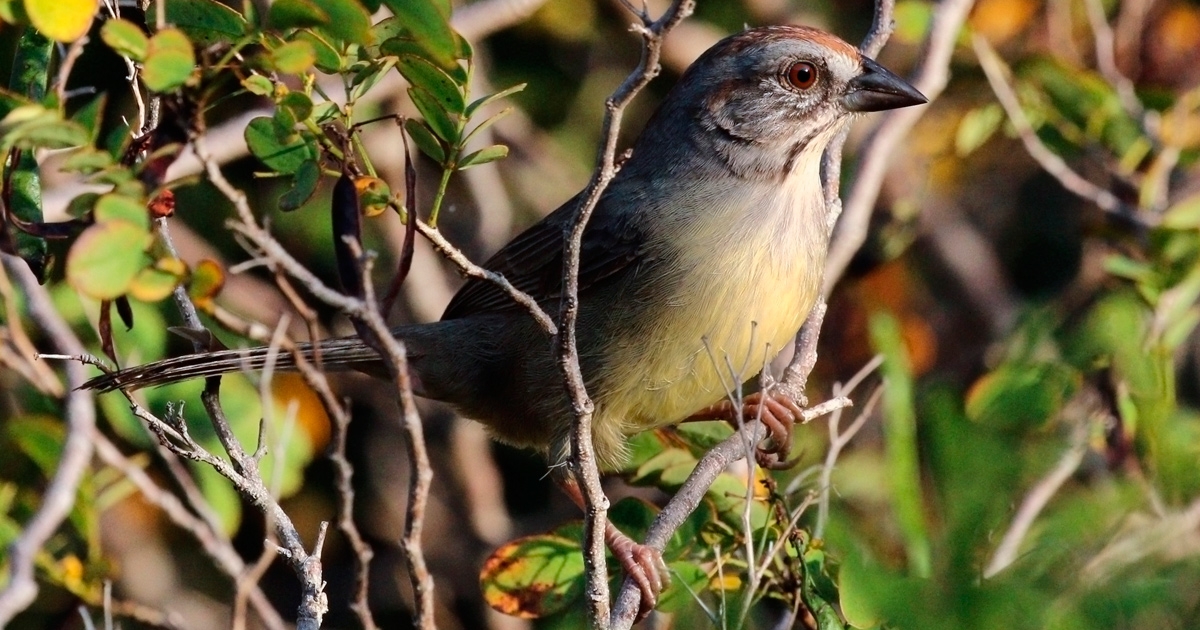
(977,127)
(534,576)
(114,207)
(329,60)
(106,257)
(169,61)
(294,57)
(155,283)
(207,280)
(61,20)
(126,38)
(429,26)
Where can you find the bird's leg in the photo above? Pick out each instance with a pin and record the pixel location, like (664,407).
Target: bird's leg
(777,411)
(643,564)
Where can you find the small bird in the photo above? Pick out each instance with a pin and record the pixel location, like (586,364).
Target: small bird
(700,262)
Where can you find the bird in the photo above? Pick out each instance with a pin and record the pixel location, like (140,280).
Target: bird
(701,261)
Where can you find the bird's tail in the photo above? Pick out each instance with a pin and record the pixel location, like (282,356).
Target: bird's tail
(335,354)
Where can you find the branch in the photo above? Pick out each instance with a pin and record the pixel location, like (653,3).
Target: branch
(80,413)
(212,541)
(932,74)
(583,456)
(1036,500)
(1050,162)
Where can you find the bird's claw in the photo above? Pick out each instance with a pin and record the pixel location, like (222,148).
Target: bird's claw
(643,564)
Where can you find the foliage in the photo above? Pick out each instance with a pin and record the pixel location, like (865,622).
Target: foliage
(920,507)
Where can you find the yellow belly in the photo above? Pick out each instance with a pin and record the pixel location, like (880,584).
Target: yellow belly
(720,328)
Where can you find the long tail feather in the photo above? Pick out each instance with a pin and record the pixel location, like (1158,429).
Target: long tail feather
(336,354)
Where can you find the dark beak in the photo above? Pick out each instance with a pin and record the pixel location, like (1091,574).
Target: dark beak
(877,89)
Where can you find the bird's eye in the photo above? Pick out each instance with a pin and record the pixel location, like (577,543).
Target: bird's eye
(802,75)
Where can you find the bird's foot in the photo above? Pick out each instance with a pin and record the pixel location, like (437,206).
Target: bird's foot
(778,413)
(643,564)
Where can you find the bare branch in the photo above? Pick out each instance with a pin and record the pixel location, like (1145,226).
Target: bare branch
(80,413)
(932,75)
(1054,165)
(583,457)
(1035,501)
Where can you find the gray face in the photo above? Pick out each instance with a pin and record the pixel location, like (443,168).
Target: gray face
(757,99)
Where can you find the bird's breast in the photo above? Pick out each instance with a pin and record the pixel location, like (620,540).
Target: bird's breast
(743,274)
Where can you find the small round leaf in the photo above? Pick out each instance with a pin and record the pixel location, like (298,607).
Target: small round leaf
(169,61)
(106,257)
(61,20)
(126,38)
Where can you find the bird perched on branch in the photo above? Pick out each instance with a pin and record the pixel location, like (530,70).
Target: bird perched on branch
(700,262)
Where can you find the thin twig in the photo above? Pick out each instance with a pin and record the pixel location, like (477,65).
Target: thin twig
(931,77)
(212,540)
(1050,162)
(1035,501)
(583,457)
(80,414)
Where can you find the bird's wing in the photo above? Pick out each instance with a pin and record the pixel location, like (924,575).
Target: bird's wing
(533,261)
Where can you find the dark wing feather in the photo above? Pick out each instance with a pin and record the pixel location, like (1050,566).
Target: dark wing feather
(533,261)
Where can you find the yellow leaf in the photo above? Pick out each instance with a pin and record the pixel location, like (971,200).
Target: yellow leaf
(62,20)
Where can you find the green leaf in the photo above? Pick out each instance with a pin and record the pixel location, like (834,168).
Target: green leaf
(534,576)
(484,101)
(976,127)
(298,103)
(632,516)
(329,60)
(106,257)
(294,57)
(304,184)
(61,20)
(687,580)
(206,281)
(155,283)
(40,438)
(205,22)
(258,85)
(279,155)
(483,156)
(91,117)
(126,38)
(1184,215)
(900,435)
(1021,396)
(114,207)
(429,26)
(419,131)
(34,126)
(369,76)
(425,76)
(286,14)
(348,21)
(169,61)
(437,119)
(87,160)
(13,12)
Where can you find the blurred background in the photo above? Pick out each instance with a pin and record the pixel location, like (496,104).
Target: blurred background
(1034,335)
